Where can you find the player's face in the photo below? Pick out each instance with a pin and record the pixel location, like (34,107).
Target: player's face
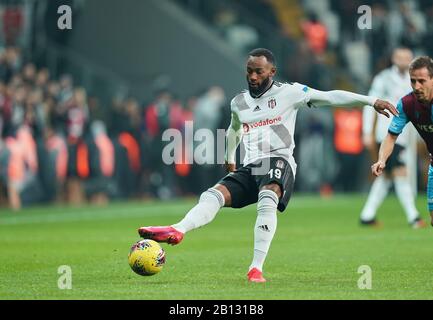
(259,73)
(422,84)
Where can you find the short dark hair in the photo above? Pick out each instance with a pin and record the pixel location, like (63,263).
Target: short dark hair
(422,62)
(258,52)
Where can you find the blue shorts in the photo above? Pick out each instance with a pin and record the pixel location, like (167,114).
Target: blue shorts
(430,188)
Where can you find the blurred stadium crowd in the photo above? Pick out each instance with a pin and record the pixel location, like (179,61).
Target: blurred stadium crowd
(325,33)
(58,143)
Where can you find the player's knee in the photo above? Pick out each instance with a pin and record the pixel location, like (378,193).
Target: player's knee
(273,187)
(213,194)
(226,193)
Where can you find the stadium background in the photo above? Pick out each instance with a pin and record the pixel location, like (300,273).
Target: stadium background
(81,117)
(99,96)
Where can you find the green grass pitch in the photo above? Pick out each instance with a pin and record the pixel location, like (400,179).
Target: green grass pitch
(316,253)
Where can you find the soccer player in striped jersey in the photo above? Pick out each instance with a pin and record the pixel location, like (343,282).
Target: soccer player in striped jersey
(263,117)
(415,107)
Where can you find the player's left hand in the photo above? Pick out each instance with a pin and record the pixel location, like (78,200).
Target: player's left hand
(381,106)
(377,168)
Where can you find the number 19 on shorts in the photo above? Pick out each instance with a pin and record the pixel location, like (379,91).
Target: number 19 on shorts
(274,173)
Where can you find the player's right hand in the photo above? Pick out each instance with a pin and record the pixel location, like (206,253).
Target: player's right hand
(382,106)
(377,168)
(230,167)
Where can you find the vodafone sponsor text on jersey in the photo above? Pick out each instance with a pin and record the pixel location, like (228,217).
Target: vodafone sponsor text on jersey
(261,123)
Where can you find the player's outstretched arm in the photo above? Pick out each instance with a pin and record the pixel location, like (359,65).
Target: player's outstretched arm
(341,98)
(233,138)
(384,152)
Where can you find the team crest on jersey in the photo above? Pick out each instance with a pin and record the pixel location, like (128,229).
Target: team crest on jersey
(279,164)
(272,103)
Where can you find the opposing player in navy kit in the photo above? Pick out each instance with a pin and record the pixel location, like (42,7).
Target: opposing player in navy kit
(263,117)
(415,107)
(391,84)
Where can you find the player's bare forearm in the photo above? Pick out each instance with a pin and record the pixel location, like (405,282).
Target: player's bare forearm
(386,147)
(384,152)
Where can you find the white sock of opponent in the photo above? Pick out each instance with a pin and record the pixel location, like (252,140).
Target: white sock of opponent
(379,190)
(266,225)
(211,201)
(405,195)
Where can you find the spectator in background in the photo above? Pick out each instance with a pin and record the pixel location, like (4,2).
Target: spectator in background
(57,112)
(428,36)
(349,147)
(315,129)
(29,74)
(162,114)
(75,113)
(56,157)
(186,172)
(96,111)
(20,163)
(5,67)
(125,131)
(240,36)
(12,169)
(18,110)
(348,12)
(42,78)
(310,68)
(207,115)
(208,107)
(99,185)
(330,19)
(379,40)
(66,88)
(38,118)
(5,108)
(13,22)
(3,171)
(407,25)
(315,33)
(13,62)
